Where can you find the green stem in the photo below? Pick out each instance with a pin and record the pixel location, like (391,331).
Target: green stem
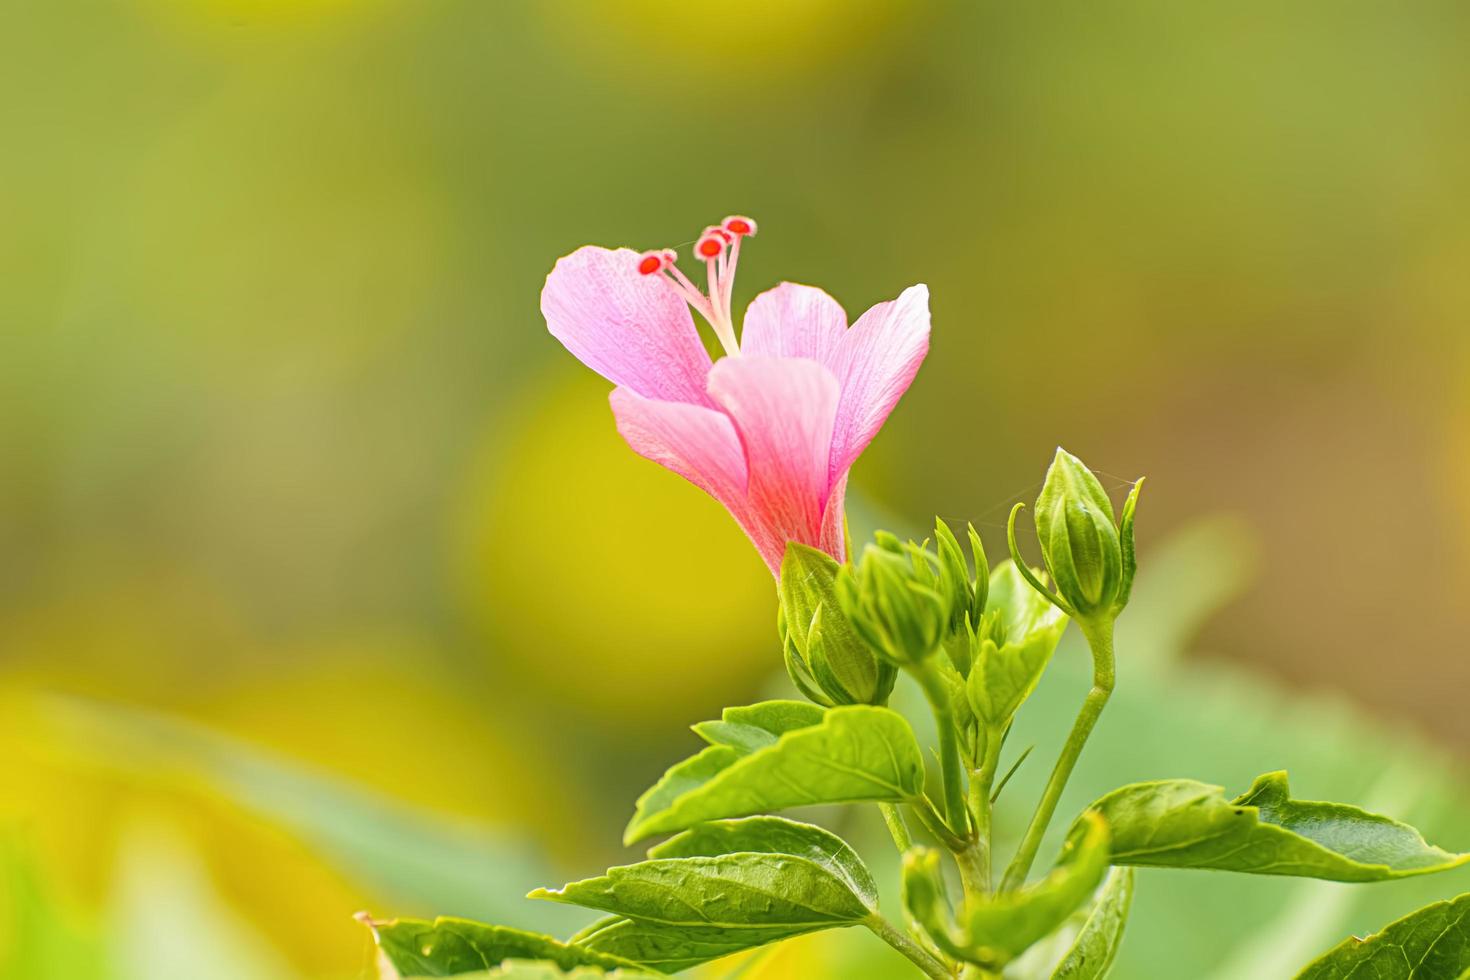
(973,870)
(980,783)
(934,823)
(1099,635)
(949,749)
(896,938)
(897,828)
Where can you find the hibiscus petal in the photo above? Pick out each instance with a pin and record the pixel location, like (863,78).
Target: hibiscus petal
(632,329)
(700,444)
(877,359)
(794,321)
(834,521)
(784,410)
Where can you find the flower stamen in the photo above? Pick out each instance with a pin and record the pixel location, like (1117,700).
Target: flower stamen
(719,247)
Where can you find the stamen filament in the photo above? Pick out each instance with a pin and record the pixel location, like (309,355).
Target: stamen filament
(691,293)
(724,329)
(719,246)
(727,280)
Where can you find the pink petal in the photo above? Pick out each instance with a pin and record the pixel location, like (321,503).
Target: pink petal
(876,361)
(834,521)
(632,329)
(699,444)
(794,321)
(783,409)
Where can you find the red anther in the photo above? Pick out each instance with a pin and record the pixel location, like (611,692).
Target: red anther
(670,257)
(739,225)
(651,262)
(717,232)
(709,247)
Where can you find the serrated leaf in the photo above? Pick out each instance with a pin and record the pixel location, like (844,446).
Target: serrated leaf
(541,970)
(670,949)
(447,947)
(532,970)
(1428,944)
(745,890)
(1181,823)
(776,835)
(1096,946)
(739,732)
(721,888)
(1004,675)
(756,726)
(857,753)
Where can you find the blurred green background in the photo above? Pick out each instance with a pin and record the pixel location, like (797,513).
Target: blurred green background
(326,583)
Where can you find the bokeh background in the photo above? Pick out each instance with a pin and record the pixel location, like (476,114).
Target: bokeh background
(326,583)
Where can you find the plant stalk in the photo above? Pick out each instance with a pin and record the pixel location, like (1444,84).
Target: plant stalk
(898,828)
(981,781)
(973,874)
(956,817)
(933,822)
(896,938)
(1099,634)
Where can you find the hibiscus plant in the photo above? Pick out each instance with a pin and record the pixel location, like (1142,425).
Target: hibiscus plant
(771,430)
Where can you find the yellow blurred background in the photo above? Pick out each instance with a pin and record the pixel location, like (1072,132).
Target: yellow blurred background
(325,581)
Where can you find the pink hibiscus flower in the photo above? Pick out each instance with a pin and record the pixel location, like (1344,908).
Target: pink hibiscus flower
(771,429)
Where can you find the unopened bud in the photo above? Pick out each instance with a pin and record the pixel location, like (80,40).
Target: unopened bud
(1088,553)
(896,600)
(826,658)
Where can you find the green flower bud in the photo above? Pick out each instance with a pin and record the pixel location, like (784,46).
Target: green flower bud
(896,600)
(968,594)
(1089,554)
(827,660)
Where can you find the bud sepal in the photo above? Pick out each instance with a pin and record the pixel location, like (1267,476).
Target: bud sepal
(827,659)
(896,600)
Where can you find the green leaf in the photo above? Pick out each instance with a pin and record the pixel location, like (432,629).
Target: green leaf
(925,897)
(756,726)
(1006,670)
(532,970)
(447,947)
(1180,823)
(1007,924)
(742,891)
(996,929)
(669,949)
(721,888)
(1096,946)
(1428,944)
(856,753)
(776,835)
(542,970)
